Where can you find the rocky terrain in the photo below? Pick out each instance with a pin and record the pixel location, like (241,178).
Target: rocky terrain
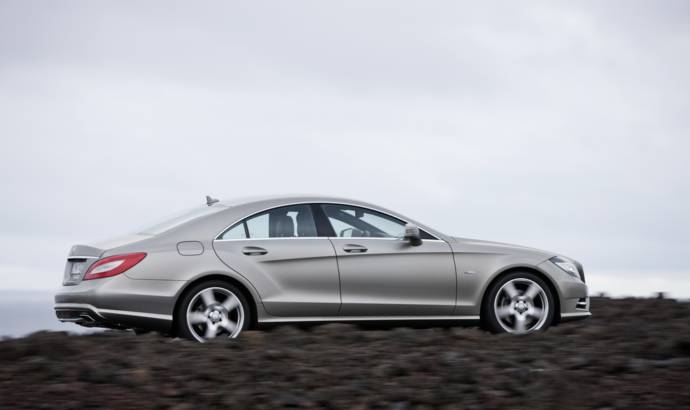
(633,353)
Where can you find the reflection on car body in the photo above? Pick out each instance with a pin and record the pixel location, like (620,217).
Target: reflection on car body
(221,268)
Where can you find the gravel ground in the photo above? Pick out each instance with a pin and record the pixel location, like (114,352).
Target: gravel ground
(634,353)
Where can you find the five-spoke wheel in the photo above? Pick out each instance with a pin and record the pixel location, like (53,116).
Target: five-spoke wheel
(518,303)
(210,310)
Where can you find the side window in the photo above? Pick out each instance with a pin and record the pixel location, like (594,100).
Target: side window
(356,222)
(236,232)
(292,221)
(257,226)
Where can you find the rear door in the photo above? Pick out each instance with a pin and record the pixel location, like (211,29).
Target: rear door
(383,275)
(293,269)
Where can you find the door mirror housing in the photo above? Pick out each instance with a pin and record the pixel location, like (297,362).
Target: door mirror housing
(412,235)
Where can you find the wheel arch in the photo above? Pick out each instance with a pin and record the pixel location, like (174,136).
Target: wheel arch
(251,300)
(530,269)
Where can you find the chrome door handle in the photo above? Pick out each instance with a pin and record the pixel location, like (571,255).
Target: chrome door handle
(254,250)
(351,248)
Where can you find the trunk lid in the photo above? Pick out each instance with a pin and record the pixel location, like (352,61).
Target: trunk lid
(78,261)
(81,257)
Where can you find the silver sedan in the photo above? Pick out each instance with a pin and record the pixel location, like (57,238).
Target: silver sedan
(224,267)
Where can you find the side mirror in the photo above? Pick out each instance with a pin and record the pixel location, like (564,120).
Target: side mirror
(412,234)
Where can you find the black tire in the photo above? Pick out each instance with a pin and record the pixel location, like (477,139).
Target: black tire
(183,328)
(489,319)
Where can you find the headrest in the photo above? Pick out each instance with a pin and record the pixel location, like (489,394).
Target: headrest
(284,226)
(305,225)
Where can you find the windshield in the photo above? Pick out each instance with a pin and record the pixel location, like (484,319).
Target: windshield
(179,218)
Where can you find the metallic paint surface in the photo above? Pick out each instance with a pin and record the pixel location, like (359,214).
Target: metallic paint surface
(297,277)
(302,279)
(394,278)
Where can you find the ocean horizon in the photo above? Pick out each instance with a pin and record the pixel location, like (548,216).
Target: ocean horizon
(23,312)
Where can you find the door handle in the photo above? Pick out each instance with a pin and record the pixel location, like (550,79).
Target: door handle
(254,250)
(351,248)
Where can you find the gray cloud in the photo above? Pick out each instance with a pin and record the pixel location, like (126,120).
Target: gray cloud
(558,125)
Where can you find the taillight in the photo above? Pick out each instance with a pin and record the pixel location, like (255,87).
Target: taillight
(113,265)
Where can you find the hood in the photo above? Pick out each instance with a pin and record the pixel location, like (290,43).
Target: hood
(467,245)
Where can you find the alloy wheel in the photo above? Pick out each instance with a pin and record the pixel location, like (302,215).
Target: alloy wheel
(521,306)
(215,312)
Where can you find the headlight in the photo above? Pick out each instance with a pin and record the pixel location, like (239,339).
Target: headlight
(567,265)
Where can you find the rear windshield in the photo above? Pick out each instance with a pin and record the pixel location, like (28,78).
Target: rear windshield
(179,218)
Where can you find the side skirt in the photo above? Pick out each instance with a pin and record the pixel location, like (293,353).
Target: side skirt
(363,318)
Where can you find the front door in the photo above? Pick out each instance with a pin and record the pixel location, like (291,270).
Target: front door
(294,271)
(381,274)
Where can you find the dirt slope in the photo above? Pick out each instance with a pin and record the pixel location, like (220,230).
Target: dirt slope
(633,353)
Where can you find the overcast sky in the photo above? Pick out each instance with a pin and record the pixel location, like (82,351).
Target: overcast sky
(559,125)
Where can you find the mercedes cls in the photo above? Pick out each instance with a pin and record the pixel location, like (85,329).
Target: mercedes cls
(224,267)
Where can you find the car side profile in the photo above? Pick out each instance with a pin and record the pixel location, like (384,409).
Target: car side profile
(224,267)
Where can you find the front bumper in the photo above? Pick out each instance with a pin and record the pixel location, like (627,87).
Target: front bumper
(572,293)
(119,302)
(581,311)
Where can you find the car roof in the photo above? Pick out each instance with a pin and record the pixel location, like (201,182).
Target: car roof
(296,198)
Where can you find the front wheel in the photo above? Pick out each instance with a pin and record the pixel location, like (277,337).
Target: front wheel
(212,309)
(518,303)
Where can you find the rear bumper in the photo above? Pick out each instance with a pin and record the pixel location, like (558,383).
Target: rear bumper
(84,315)
(91,316)
(119,303)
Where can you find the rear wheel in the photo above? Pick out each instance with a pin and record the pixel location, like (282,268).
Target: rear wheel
(518,303)
(212,309)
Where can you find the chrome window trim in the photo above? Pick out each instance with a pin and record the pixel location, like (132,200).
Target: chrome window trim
(322,237)
(269,239)
(218,235)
